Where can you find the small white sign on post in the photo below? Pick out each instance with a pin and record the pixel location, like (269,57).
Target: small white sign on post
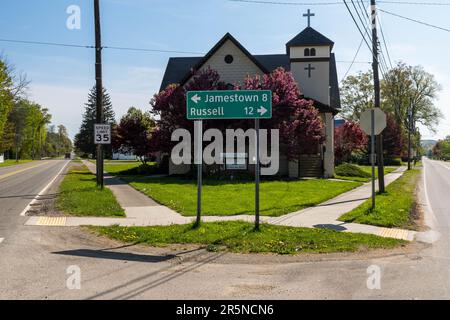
(102,134)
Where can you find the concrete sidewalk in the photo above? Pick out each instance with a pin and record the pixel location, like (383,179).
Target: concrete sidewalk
(141,210)
(326,214)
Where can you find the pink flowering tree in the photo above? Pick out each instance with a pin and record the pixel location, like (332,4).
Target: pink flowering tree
(349,139)
(301,128)
(298,121)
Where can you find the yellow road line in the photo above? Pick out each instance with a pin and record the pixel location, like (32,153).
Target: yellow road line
(52,221)
(22,170)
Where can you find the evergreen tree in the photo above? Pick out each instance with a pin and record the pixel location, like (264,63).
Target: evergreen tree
(84,140)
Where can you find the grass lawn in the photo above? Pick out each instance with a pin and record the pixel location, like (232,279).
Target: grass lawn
(240,237)
(233,198)
(392,208)
(119,167)
(8,163)
(367,169)
(80,196)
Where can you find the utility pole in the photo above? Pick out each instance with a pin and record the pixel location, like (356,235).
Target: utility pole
(99,88)
(376,82)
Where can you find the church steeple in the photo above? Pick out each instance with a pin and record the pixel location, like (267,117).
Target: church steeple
(309,54)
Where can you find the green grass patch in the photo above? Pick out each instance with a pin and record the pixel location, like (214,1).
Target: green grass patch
(358,173)
(80,196)
(233,198)
(130,168)
(393,208)
(240,237)
(11,162)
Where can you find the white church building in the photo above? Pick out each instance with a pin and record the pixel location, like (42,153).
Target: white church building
(308,56)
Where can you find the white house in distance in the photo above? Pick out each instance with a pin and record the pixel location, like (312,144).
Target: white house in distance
(308,56)
(2,158)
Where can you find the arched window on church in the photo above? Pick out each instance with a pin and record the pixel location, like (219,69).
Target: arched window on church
(313,52)
(307,52)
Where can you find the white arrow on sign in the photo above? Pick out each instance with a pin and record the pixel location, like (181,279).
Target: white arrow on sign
(196,98)
(262,110)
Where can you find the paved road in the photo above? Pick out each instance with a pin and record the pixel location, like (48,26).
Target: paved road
(35,260)
(19,184)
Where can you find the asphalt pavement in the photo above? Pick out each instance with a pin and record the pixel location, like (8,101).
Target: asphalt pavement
(19,185)
(44,263)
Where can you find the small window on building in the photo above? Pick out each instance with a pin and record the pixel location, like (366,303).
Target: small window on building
(313,52)
(307,52)
(229,59)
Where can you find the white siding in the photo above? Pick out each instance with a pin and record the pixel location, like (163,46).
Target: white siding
(299,52)
(318,86)
(238,70)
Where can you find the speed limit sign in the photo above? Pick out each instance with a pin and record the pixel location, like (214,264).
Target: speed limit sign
(102,134)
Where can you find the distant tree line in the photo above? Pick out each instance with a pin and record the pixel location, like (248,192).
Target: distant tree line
(25,131)
(441,149)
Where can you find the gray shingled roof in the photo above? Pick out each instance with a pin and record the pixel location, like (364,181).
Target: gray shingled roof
(309,37)
(179,67)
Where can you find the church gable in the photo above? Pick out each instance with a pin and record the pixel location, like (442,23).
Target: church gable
(231,60)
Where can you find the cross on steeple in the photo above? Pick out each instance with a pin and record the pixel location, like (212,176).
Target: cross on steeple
(309,68)
(309,15)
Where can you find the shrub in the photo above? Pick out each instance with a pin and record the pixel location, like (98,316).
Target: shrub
(392,162)
(351,170)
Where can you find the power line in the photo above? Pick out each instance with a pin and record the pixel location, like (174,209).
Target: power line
(58,44)
(414,20)
(152,50)
(357,25)
(338,3)
(362,22)
(129,48)
(375,58)
(362,35)
(354,58)
(289,3)
(417,3)
(368,20)
(47,43)
(385,42)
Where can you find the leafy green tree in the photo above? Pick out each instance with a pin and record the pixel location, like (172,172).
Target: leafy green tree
(58,142)
(12,88)
(411,87)
(7,138)
(357,95)
(84,140)
(6,97)
(441,149)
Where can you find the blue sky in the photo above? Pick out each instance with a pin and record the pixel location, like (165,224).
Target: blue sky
(61,77)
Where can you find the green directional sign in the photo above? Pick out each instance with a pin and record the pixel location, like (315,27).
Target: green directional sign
(229,104)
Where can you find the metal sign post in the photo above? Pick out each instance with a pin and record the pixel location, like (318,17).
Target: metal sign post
(257,173)
(227,104)
(199,142)
(373,122)
(372,153)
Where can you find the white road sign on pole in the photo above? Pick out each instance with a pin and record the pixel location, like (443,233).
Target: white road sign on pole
(380,121)
(102,134)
